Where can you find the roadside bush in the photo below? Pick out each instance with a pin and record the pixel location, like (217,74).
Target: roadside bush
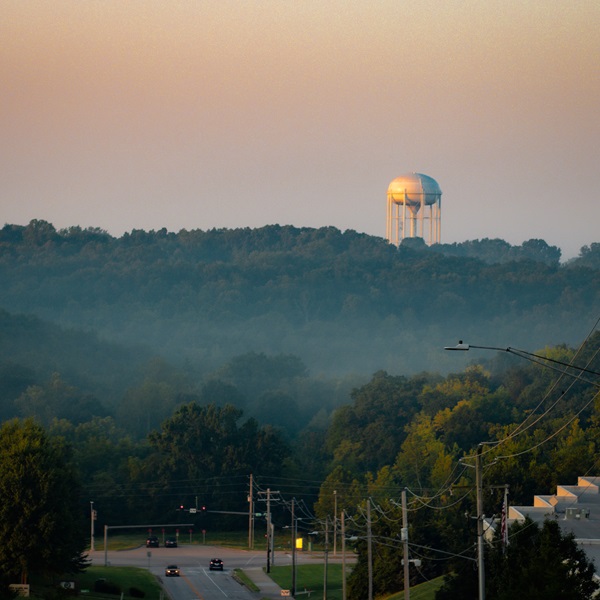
(106,587)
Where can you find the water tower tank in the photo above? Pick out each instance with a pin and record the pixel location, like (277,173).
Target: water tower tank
(422,196)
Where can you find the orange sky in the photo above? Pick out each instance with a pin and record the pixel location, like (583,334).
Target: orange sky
(199,114)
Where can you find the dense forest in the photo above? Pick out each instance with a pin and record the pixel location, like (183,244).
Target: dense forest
(342,302)
(174,366)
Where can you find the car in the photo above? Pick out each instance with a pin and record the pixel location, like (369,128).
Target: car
(172,571)
(152,542)
(216,564)
(170,543)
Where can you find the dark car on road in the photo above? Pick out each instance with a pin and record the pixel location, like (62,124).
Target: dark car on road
(172,571)
(170,543)
(152,542)
(216,564)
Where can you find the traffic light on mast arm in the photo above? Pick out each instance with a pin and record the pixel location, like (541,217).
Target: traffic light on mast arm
(182,508)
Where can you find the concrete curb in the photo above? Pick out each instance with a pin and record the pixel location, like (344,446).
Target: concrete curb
(268,588)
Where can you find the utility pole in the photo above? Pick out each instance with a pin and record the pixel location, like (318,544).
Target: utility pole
(251,516)
(272,543)
(92,519)
(325,558)
(504,524)
(334,522)
(343,526)
(369,549)
(480,517)
(294,537)
(268,530)
(106,545)
(405,547)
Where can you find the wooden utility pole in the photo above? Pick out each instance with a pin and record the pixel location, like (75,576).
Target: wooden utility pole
(325,557)
(369,549)
(334,522)
(268,530)
(343,526)
(405,547)
(294,537)
(480,517)
(251,515)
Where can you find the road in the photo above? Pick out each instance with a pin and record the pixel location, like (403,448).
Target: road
(196,581)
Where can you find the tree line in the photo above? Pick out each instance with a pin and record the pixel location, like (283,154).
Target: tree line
(341,301)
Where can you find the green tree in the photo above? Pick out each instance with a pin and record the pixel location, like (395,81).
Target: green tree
(589,256)
(423,461)
(39,232)
(58,400)
(40,524)
(105,457)
(366,435)
(539,563)
(209,446)
(538,250)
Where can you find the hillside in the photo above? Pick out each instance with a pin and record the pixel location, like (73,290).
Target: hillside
(32,350)
(340,301)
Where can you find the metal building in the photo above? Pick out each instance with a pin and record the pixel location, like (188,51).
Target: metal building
(414,209)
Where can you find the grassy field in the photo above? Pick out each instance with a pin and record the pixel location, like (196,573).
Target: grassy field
(423,591)
(310,577)
(129,580)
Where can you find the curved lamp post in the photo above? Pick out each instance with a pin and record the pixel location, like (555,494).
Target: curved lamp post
(532,357)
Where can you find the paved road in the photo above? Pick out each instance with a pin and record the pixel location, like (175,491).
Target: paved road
(197,581)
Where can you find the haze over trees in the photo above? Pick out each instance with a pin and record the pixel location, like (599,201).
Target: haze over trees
(340,301)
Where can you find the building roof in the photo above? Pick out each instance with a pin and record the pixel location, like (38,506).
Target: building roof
(576,508)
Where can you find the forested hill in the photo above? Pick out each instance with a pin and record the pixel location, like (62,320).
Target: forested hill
(341,301)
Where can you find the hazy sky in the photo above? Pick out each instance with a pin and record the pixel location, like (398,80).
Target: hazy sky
(143,114)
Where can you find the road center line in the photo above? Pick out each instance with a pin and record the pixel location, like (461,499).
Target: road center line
(192,587)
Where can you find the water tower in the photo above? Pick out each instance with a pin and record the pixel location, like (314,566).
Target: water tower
(414,209)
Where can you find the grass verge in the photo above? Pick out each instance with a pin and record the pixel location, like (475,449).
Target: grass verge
(241,576)
(310,577)
(125,578)
(422,591)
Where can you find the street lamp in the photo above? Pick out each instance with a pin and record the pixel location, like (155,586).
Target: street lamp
(325,555)
(532,357)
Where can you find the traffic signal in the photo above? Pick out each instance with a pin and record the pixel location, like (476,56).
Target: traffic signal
(203,509)
(181,507)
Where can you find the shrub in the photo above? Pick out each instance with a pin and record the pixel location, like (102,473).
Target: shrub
(106,587)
